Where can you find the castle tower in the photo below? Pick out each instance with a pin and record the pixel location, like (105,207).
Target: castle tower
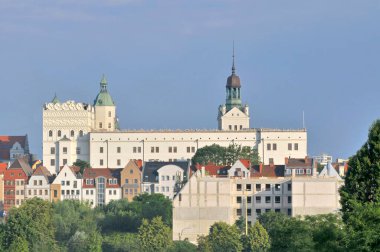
(105,109)
(232,115)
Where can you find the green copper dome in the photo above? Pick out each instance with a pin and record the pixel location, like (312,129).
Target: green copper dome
(103,98)
(55,99)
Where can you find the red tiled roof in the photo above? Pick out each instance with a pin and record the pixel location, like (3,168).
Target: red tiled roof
(212,169)
(246,163)
(93,173)
(139,163)
(3,167)
(6,143)
(298,162)
(268,171)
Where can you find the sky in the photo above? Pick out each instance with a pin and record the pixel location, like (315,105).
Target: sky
(167,63)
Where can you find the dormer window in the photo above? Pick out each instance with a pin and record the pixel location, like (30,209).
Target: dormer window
(89,181)
(112,181)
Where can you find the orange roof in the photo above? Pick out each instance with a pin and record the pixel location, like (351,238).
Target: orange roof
(213,169)
(246,163)
(3,167)
(268,171)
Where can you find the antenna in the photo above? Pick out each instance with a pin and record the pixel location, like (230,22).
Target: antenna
(303,119)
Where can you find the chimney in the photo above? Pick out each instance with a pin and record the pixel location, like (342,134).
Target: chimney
(203,171)
(261,168)
(286,160)
(293,173)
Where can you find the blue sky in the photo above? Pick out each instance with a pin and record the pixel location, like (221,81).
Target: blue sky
(167,63)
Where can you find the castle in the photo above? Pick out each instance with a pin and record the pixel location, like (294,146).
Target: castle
(90,132)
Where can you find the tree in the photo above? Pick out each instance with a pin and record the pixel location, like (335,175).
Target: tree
(31,222)
(118,242)
(19,245)
(219,155)
(287,234)
(154,235)
(203,244)
(82,164)
(257,238)
(362,182)
(223,237)
(82,241)
(153,205)
(181,246)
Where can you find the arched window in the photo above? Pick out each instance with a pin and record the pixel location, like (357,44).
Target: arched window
(81,133)
(50,133)
(72,133)
(59,133)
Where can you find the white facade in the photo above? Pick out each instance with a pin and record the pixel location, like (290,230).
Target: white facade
(168,175)
(71,184)
(235,119)
(115,149)
(239,170)
(38,186)
(64,134)
(205,200)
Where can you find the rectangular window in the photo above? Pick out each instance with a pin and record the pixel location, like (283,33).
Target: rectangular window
(308,171)
(55,193)
(289,199)
(249,211)
(267,210)
(63,192)
(63,182)
(136,181)
(64,150)
(268,146)
(267,199)
(258,187)
(277,199)
(188,149)
(249,200)
(152,149)
(78,150)
(175,149)
(289,211)
(139,149)
(118,150)
(277,187)
(258,199)
(52,150)
(274,146)
(101,162)
(101,150)
(87,192)
(100,125)
(258,212)
(118,162)
(267,187)
(238,187)
(238,199)
(52,162)
(238,212)
(64,161)
(193,149)
(289,146)
(68,182)
(170,149)
(289,187)
(126,181)
(157,149)
(248,187)
(75,184)
(296,146)
(230,127)
(35,182)
(40,182)
(134,149)
(277,210)
(271,161)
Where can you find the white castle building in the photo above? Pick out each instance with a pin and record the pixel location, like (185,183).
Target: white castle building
(75,130)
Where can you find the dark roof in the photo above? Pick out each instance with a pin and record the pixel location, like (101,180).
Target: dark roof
(42,171)
(214,170)
(21,164)
(101,172)
(268,171)
(233,81)
(7,142)
(150,169)
(298,162)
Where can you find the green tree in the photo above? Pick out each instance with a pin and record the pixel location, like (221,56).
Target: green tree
(153,205)
(287,234)
(219,155)
(82,164)
(257,238)
(118,242)
(31,222)
(362,182)
(154,235)
(182,246)
(82,242)
(223,237)
(203,244)
(19,245)
(328,232)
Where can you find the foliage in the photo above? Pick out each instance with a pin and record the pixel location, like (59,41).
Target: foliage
(240,224)
(31,222)
(154,235)
(362,182)
(203,244)
(82,164)
(223,237)
(257,238)
(82,241)
(19,245)
(118,242)
(154,205)
(181,246)
(287,234)
(219,155)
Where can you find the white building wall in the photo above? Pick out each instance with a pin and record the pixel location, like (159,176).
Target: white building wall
(167,176)
(38,187)
(112,194)
(71,186)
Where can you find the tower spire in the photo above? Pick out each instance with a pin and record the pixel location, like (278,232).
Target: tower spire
(103,84)
(233,57)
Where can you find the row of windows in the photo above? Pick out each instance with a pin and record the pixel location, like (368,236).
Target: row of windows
(73,192)
(52,162)
(12,202)
(262,187)
(19,174)
(298,171)
(101,125)
(12,192)
(111,181)
(163,189)
(258,199)
(12,182)
(135,181)
(64,150)
(153,149)
(239,211)
(131,191)
(273,146)
(167,178)
(91,192)
(235,127)
(39,192)
(39,182)
(72,133)
(67,183)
